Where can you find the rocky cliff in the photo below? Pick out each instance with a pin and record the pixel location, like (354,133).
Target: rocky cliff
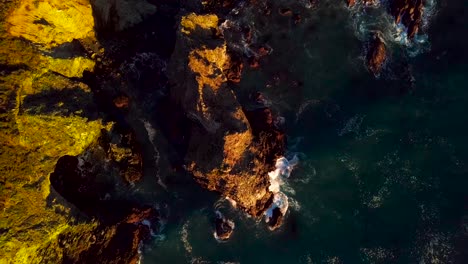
(48,115)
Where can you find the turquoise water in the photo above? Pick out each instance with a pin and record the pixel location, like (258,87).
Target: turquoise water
(383,173)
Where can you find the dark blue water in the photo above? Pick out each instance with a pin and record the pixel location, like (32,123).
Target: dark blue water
(383,172)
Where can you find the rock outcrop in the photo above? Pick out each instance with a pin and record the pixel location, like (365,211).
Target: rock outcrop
(223,227)
(376,55)
(229,150)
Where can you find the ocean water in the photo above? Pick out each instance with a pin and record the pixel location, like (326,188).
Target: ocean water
(383,161)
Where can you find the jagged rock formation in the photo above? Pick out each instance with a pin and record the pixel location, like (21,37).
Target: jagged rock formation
(226,151)
(409,13)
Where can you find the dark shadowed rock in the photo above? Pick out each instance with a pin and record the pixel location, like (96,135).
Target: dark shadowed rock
(233,69)
(105,243)
(276,219)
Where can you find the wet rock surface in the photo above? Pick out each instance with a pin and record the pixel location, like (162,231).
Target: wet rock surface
(409,13)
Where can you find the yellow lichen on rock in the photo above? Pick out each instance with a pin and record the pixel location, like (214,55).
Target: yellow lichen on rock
(57,135)
(28,255)
(52,22)
(190,22)
(208,64)
(235,145)
(73,67)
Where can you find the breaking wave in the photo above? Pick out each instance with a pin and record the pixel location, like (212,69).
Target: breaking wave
(283,170)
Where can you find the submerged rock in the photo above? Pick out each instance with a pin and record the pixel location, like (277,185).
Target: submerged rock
(376,55)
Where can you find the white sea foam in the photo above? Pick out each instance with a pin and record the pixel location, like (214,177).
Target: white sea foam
(283,170)
(184,238)
(140,252)
(280,200)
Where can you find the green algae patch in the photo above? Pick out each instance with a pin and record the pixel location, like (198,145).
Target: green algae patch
(193,21)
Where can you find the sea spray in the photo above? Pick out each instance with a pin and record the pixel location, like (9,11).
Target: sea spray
(283,170)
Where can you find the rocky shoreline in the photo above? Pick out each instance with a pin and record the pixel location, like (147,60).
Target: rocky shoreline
(71,96)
